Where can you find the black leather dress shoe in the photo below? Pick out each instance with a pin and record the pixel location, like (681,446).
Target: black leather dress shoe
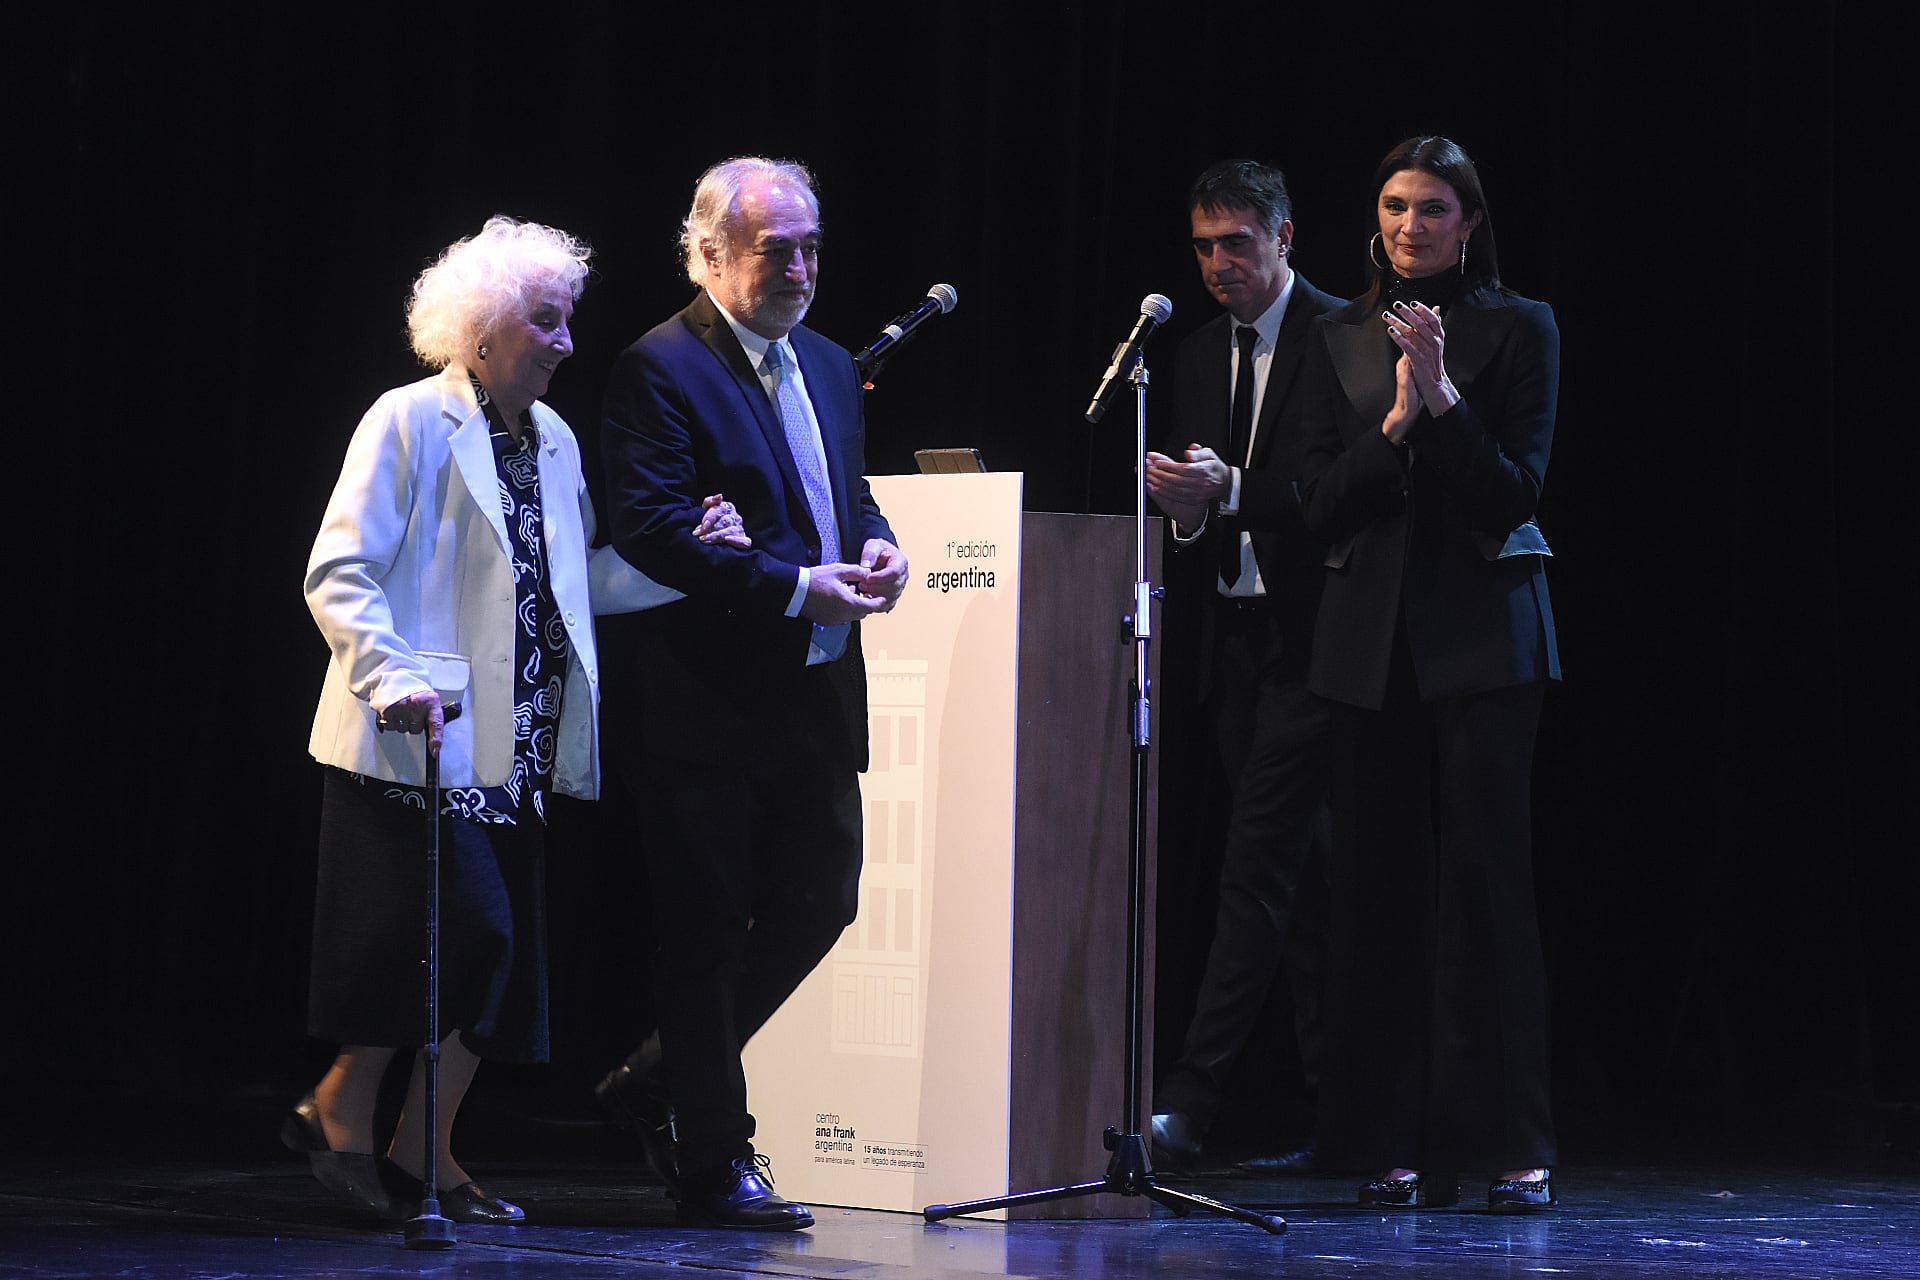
(351,1175)
(1176,1141)
(637,1105)
(1422,1191)
(464,1203)
(1511,1196)
(1305,1160)
(739,1194)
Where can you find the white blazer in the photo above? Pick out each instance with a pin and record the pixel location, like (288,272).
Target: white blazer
(411,585)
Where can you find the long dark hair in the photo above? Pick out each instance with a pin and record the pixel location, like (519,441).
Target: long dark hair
(1443,158)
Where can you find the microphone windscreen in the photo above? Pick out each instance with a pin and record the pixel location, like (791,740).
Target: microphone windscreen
(1157,307)
(946,296)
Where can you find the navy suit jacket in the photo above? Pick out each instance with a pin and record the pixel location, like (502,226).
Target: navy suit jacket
(1444,527)
(686,416)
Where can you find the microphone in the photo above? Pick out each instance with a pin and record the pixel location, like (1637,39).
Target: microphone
(1154,310)
(941,299)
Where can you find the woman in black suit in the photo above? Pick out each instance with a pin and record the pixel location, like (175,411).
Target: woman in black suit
(1430,408)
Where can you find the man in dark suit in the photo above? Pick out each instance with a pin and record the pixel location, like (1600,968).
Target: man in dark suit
(1234,504)
(736,719)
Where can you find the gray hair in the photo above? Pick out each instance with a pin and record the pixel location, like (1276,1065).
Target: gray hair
(715,215)
(460,298)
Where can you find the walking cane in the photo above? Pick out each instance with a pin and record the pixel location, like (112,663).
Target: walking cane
(427,1229)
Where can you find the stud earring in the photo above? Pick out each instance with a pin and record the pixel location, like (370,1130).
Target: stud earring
(483,346)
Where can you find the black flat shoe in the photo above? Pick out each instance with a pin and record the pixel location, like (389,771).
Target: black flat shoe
(302,1130)
(464,1203)
(353,1176)
(635,1104)
(739,1195)
(1511,1196)
(1422,1191)
(468,1203)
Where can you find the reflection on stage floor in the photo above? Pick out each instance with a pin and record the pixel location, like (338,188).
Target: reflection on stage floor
(253,1211)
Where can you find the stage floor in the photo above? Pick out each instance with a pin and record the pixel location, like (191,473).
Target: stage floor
(591,1214)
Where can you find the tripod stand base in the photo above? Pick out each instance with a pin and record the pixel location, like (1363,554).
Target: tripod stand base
(428,1230)
(1129,1173)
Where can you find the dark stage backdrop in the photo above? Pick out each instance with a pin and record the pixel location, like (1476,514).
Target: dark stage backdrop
(213,217)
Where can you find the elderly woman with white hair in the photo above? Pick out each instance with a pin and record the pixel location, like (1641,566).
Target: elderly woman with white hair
(452,569)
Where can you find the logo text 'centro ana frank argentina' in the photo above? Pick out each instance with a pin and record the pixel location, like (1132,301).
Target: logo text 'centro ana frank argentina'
(971,578)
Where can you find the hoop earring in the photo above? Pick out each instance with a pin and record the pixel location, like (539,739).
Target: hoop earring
(1373,253)
(1463,257)
(483,351)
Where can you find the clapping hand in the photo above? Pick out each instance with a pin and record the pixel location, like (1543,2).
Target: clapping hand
(1184,490)
(1422,339)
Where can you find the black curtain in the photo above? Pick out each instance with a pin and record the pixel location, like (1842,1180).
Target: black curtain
(212,219)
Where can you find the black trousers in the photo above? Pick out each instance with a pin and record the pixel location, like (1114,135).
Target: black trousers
(1272,739)
(1438,1043)
(755,872)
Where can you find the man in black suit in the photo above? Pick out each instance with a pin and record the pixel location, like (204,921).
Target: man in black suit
(1234,504)
(736,719)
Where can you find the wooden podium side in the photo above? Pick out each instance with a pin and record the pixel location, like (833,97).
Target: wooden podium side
(1071,838)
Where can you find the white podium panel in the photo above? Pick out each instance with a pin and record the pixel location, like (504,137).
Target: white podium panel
(884,1081)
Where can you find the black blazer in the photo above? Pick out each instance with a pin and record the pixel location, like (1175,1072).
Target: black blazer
(1442,527)
(1289,556)
(686,416)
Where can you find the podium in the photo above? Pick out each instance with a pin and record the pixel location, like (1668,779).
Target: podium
(966,1036)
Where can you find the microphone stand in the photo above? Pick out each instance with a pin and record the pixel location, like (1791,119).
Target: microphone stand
(1129,1170)
(868,363)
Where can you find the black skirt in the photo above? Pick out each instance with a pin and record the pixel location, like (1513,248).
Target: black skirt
(368,979)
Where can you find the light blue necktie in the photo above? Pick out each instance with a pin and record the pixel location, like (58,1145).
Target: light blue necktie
(806,456)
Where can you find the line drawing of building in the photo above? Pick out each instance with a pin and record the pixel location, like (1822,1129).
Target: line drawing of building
(879,1004)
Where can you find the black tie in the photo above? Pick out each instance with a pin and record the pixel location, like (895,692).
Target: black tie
(1240,441)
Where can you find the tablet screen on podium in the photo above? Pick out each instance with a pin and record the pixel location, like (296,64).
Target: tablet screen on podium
(948,461)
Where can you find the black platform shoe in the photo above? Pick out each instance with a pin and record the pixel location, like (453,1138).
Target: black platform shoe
(1509,1195)
(1421,1191)
(353,1176)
